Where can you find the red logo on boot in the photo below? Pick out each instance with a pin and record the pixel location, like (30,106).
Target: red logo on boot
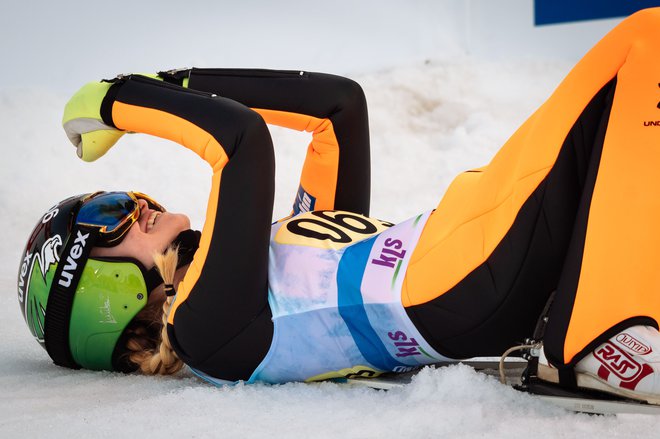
(633,344)
(622,365)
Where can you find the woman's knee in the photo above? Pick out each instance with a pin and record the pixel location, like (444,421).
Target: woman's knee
(350,95)
(643,23)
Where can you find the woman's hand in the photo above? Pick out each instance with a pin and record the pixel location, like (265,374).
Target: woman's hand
(84,125)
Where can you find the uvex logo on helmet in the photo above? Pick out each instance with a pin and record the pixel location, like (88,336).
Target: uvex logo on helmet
(72,259)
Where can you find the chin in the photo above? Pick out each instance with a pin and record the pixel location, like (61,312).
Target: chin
(184,221)
(175,222)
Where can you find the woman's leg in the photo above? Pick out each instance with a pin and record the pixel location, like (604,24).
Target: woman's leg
(610,279)
(336,173)
(570,197)
(497,303)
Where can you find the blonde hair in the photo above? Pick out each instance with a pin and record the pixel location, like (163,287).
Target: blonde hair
(148,344)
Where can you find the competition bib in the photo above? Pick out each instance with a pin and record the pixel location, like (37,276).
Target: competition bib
(335,293)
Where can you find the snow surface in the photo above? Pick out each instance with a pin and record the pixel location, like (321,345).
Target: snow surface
(429,121)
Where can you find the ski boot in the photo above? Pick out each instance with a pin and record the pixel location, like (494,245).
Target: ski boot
(627,365)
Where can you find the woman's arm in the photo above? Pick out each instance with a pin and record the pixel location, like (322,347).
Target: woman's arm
(220,321)
(336,173)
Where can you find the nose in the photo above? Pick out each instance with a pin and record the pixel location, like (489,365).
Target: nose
(142,205)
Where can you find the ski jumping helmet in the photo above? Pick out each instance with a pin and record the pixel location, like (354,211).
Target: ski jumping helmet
(77,307)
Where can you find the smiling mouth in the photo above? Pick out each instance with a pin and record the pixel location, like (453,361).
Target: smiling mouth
(152,220)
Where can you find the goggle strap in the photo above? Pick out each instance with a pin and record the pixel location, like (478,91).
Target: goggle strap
(62,291)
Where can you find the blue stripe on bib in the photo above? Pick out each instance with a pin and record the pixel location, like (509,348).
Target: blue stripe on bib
(351,306)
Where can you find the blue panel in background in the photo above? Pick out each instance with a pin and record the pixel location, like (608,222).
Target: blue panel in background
(562,11)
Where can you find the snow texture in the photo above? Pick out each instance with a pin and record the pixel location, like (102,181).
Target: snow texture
(429,121)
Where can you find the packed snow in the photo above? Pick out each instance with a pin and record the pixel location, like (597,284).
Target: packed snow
(429,120)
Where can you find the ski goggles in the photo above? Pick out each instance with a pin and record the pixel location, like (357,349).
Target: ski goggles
(112,214)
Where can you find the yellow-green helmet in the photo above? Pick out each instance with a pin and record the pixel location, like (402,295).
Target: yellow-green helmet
(78,307)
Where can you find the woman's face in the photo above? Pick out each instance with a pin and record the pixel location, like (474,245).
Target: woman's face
(152,233)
